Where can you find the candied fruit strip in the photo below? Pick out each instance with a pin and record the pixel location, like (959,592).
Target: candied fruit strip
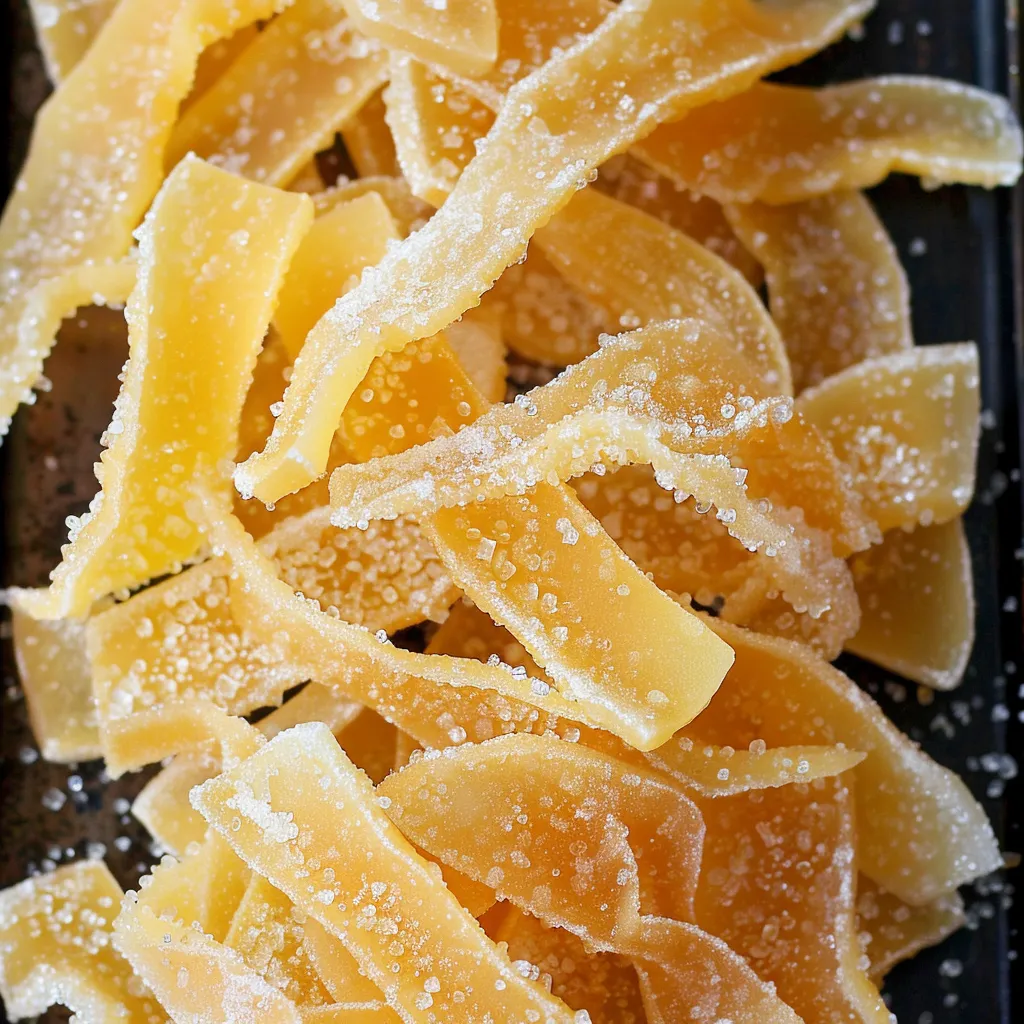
(583,106)
(409,212)
(337,969)
(920,833)
(835,284)
(893,931)
(368,140)
(96,159)
(302,785)
(907,427)
(782,144)
(641,270)
(55,948)
(916,595)
(459,34)
(777,883)
(284,96)
(351,1013)
(184,385)
(65,30)
(479,346)
(216,59)
(55,677)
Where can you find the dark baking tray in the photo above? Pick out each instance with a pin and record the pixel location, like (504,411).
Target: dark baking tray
(962,252)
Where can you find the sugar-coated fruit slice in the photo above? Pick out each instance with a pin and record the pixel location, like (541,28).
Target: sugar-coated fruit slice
(368,140)
(301,799)
(835,284)
(65,30)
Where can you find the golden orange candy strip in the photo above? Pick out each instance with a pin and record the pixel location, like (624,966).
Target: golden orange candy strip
(786,144)
(558,124)
(55,948)
(906,426)
(179,407)
(338,969)
(65,30)
(761,851)
(836,287)
(284,96)
(920,832)
(917,604)
(302,789)
(368,140)
(109,126)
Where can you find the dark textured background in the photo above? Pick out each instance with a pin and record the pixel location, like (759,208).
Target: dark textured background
(966,285)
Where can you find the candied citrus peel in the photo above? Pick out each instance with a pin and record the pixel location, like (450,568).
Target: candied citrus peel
(368,140)
(178,409)
(65,30)
(785,144)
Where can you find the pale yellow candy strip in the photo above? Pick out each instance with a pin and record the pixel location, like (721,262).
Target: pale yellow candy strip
(65,30)
(301,798)
(284,97)
(368,140)
(213,253)
(351,1013)
(460,34)
(835,284)
(916,595)
(906,426)
(786,144)
(55,948)
(557,125)
(96,159)
(337,968)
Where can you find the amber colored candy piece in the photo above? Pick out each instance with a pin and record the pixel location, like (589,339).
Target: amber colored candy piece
(368,140)
(920,833)
(351,1013)
(785,144)
(583,106)
(337,969)
(284,97)
(835,284)
(216,59)
(479,346)
(55,677)
(55,948)
(893,931)
(65,30)
(178,409)
(301,798)
(907,427)
(917,604)
(777,883)
(132,80)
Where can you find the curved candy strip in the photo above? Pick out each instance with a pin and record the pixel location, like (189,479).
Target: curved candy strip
(835,284)
(97,158)
(55,949)
(65,30)
(916,594)
(337,968)
(786,144)
(300,798)
(907,427)
(558,124)
(189,365)
(283,97)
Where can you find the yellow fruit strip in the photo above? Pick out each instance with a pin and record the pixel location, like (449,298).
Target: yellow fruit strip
(478,343)
(640,269)
(920,832)
(459,34)
(893,931)
(284,97)
(759,851)
(109,126)
(917,604)
(906,426)
(351,1013)
(216,59)
(786,144)
(65,30)
(561,122)
(368,140)
(338,969)
(189,365)
(301,798)
(835,284)
(55,948)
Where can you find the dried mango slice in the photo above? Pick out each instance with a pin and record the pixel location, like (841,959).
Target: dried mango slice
(368,140)
(917,604)
(640,269)
(777,884)
(461,34)
(907,426)
(565,119)
(55,948)
(110,128)
(920,832)
(292,789)
(786,144)
(54,672)
(178,409)
(284,97)
(893,931)
(65,29)
(835,284)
